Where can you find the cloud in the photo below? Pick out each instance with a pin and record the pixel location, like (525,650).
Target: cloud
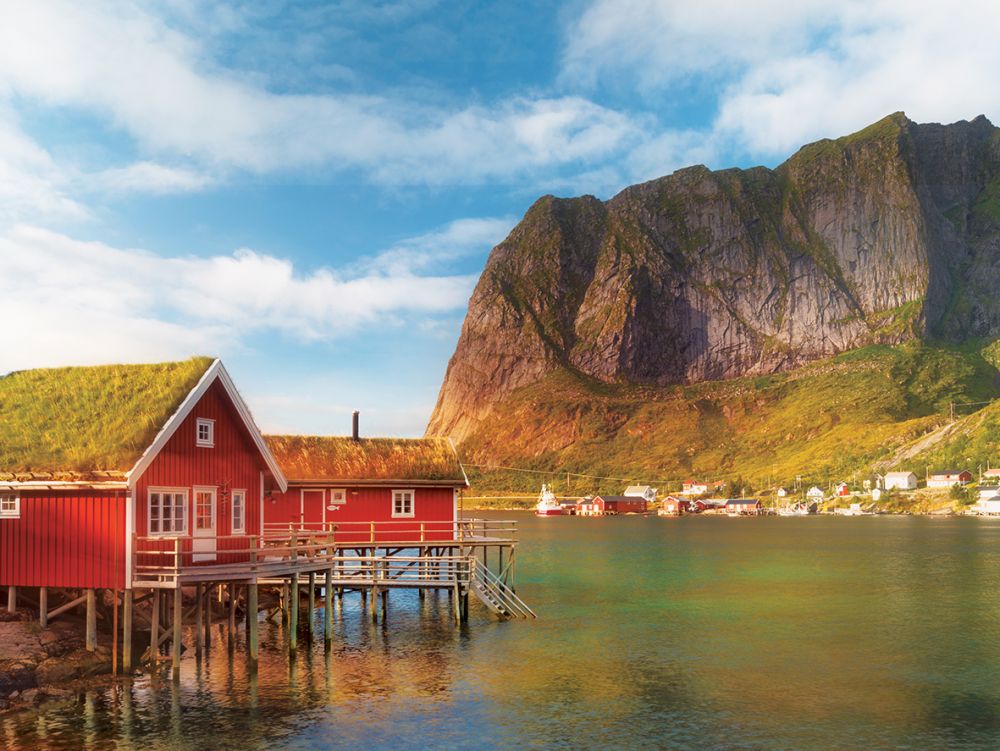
(459,238)
(74,302)
(166,90)
(148,177)
(785,74)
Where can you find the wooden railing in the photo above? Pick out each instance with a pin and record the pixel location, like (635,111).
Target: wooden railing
(402,532)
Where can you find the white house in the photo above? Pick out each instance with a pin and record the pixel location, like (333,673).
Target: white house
(641,491)
(782,492)
(900,481)
(815,494)
(989,502)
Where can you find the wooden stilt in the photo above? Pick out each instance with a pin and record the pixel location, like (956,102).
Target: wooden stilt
(91,643)
(231,641)
(373,605)
(328,608)
(252,644)
(114,636)
(457,603)
(127,632)
(312,602)
(154,626)
(43,607)
(284,602)
(208,616)
(178,616)
(293,614)
(11,599)
(199,637)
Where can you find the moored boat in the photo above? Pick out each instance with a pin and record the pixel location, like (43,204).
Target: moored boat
(548,504)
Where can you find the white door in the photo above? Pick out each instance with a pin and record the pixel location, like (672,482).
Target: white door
(203,536)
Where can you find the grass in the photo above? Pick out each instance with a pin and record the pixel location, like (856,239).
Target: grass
(87,419)
(343,458)
(827,421)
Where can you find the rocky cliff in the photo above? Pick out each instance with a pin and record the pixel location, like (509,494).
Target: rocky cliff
(887,235)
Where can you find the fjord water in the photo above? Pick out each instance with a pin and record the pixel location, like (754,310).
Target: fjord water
(691,633)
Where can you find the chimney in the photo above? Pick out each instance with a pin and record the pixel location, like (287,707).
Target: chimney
(354,425)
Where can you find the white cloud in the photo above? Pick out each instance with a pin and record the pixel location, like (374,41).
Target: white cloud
(459,238)
(785,74)
(73,302)
(164,89)
(148,177)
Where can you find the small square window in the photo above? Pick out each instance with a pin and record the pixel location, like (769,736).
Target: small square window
(10,506)
(402,504)
(338,497)
(205,435)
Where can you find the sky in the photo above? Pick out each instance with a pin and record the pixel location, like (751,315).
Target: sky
(309,190)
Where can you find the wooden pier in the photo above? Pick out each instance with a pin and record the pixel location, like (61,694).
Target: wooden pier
(174,586)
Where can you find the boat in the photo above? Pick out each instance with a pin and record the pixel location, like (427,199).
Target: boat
(794,509)
(548,504)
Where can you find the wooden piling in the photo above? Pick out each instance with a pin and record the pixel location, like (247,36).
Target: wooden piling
(11,599)
(114,636)
(127,632)
(43,607)
(284,602)
(178,616)
(312,602)
(252,643)
(154,626)
(328,608)
(457,603)
(199,640)
(208,616)
(91,641)
(232,616)
(293,614)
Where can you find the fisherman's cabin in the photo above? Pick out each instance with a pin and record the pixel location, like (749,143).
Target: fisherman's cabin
(843,489)
(674,506)
(743,507)
(949,478)
(367,490)
(612,505)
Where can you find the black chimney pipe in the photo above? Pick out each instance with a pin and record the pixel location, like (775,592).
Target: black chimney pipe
(354,425)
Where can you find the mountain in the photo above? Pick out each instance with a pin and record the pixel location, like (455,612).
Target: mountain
(887,236)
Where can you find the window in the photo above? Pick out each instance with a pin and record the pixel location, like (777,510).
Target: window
(402,504)
(205,432)
(10,506)
(204,509)
(338,497)
(167,512)
(239,512)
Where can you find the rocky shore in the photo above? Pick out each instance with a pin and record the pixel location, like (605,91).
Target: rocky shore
(39,664)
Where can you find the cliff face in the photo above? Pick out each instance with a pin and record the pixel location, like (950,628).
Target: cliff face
(887,235)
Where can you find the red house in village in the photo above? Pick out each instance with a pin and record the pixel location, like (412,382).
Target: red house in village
(100,463)
(368,490)
(612,505)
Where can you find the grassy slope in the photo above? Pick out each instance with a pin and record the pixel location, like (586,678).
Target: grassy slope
(825,421)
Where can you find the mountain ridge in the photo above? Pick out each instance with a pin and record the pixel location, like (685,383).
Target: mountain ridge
(885,236)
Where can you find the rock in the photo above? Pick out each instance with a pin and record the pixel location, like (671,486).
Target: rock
(30,696)
(881,237)
(56,671)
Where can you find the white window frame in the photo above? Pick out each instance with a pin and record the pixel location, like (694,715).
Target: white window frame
(334,501)
(204,422)
(14,513)
(413,504)
(149,512)
(242,528)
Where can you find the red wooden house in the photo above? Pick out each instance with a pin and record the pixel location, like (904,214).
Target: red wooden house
(368,490)
(612,505)
(674,506)
(96,461)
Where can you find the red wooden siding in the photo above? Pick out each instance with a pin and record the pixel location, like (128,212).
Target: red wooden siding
(234,463)
(65,539)
(365,505)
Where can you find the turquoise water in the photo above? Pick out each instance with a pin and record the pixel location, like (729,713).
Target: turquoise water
(691,633)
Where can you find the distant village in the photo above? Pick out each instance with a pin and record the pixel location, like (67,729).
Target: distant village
(974,497)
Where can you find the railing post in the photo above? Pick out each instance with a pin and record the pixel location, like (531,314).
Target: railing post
(422,536)
(177,560)
(373,531)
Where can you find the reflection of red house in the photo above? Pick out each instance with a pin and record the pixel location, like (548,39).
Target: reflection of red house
(674,505)
(367,489)
(612,505)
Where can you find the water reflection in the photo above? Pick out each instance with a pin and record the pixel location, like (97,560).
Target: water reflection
(691,633)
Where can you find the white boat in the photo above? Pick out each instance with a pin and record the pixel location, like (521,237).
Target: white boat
(794,509)
(548,504)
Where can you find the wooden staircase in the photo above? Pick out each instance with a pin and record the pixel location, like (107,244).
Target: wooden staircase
(496,595)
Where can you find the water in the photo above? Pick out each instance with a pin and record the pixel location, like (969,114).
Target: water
(692,633)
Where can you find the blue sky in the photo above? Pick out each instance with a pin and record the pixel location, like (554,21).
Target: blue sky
(309,190)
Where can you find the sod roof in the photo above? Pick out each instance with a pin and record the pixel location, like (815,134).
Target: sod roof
(309,458)
(87,423)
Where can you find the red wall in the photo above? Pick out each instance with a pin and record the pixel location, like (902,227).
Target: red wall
(234,463)
(365,505)
(65,539)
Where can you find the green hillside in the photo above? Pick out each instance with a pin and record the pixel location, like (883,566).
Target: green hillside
(834,419)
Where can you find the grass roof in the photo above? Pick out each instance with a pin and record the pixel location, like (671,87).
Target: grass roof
(88,421)
(335,458)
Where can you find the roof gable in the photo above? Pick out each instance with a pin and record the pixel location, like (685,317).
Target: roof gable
(331,459)
(88,422)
